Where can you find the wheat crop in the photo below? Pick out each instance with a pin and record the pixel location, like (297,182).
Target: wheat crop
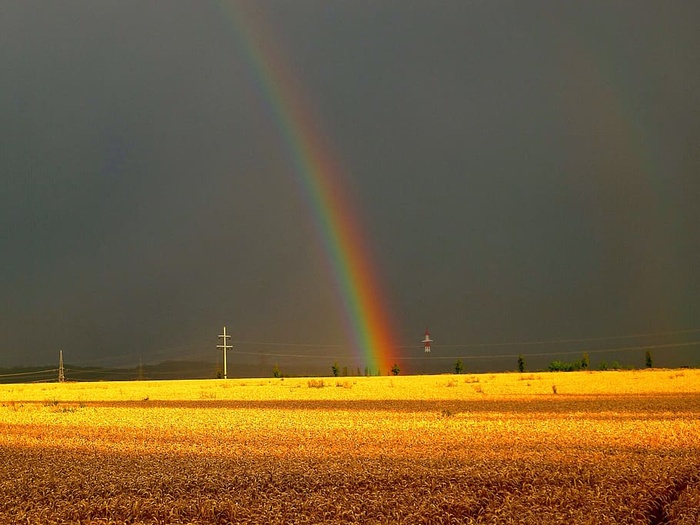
(610,447)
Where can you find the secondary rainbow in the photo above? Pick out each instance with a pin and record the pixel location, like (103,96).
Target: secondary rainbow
(321,179)
(636,175)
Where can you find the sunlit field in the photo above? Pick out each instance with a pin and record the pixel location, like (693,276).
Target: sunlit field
(577,447)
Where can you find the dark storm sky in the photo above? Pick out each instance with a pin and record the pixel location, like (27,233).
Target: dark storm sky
(524,171)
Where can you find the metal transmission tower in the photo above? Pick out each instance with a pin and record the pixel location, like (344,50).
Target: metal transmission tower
(224,346)
(426,341)
(61,376)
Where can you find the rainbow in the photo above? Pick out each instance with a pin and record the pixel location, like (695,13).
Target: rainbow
(320,177)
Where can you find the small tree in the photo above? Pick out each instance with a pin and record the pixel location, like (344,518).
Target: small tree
(585,361)
(335,369)
(521,363)
(395,369)
(459,367)
(276,371)
(648,360)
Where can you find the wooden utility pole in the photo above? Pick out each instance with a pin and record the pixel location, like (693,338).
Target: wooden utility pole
(61,376)
(224,346)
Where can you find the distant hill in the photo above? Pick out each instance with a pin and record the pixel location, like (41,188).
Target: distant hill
(165,370)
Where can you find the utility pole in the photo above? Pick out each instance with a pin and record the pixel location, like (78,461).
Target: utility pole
(61,376)
(224,346)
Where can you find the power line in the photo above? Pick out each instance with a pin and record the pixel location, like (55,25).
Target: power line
(492,356)
(477,345)
(97,371)
(544,354)
(30,373)
(301,356)
(320,346)
(562,341)
(306,345)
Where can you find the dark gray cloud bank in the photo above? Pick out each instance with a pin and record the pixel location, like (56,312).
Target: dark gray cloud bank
(524,171)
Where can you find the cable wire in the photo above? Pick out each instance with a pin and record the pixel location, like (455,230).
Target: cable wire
(55,370)
(247,343)
(544,354)
(579,340)
(482,345)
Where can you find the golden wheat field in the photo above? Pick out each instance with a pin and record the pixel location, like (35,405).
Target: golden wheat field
(608,447)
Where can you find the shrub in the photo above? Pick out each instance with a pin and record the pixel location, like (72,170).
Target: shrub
(561,366)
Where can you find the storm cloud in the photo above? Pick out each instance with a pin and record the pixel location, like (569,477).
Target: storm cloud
(522,171)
